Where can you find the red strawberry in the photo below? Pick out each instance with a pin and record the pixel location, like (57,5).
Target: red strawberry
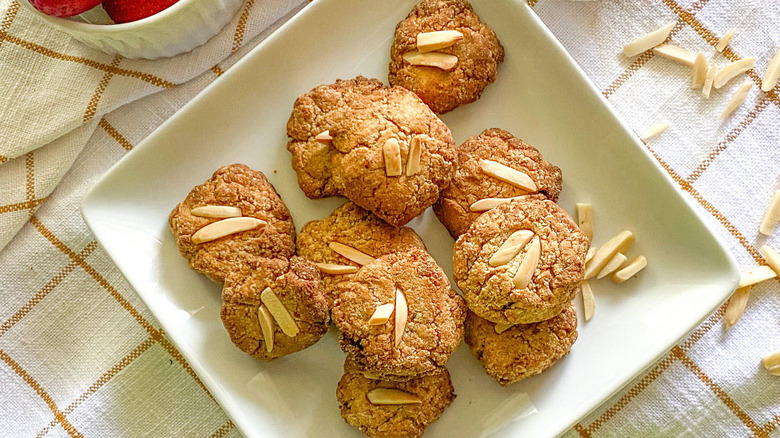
(64,8)
(124,11)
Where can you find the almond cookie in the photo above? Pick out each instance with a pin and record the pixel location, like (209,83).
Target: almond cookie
(323,243)
(275,309)
(521,262)
(522,350)
(381,147)
(384,409)
(241,199)
(398,316)
(480,184)
(450,68)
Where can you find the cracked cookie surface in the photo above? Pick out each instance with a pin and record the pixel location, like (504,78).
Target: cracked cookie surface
(434,325)
(354,227)
(239,186)
(361,115)
(296,283)
(390,421)
(522,350)
(472,184)
(490,290)
(479,54)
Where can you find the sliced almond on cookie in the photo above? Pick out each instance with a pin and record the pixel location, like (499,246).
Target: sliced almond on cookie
(615,263)
(501,328)
(511,247)
(266,326)
(442,61)
(491,203)
(588,300)
(391,396)
(528,266)
(401,314)
(334,269)
(225,227)
(415,151)
(351,253)
(382,314)
(392,151)
(216,211)
(279,312)
(508,175)
(430,41)
(324,136)
(629,270)
(619,243)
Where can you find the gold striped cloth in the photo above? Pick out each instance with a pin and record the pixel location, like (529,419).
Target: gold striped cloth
(80,355)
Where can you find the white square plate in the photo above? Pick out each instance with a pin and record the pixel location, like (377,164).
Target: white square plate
(540,95)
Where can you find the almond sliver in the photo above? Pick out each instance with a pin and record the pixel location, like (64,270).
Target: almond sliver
(415,151)
(391,396)
(656,130)
(491,203)
(382,314)
(225,227)
(501,328)
(442,61)
(615,263)
(675,53)
(629,270)
(276,308)
(771,215)
(732,70)
(736,305)
(267,327)
(619,243)
(430,41)
(528,266)
(392,151)
(334,269)
(707,88)
(508,175)
(588,300)
(648,41)
(585,219)
(591,252)
(401,315)
(772,73)
(737,99)
(756,275)
(725,40)
(351,253)
(216,211)
(699,71)
(771,360)
(772,258)
(511,247)
(324,136)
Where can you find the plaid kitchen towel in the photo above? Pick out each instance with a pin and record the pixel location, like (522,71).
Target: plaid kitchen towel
(79,350)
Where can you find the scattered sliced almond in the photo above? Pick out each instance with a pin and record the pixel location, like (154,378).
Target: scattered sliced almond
(324,136)
(528,266)
(334,269)
(351,253)
(216,211)
(392,152)
(732,70)
(591,252)
(737,99)
(771,360)
(629,270)
(508,175)
(725,40)
(266,326)
(619,243)
(371,376)
(736,305)
(279,312)
(390,396)
(656,130)
(491,203)
(707,88)
(225,227)
(401,314)
(585,219)
(442,61)
(699,71)
(588,300)
(430,41)
(675,53)
(511,247)
(775,371)
(771,215)
(757,275)
(772,258)
(615,263)
(772,73)
(415,151)
(381,314)
(648,41)
(501,328)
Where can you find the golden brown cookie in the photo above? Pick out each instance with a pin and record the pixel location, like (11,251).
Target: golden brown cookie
(523,350)
(357,228)
(240,187)
(382,148)
(478,54)
(433,327)
(296,285)
(430,396)
(469,193)
(521,262)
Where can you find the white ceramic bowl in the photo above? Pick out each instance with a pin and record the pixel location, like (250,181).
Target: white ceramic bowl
(180,28)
